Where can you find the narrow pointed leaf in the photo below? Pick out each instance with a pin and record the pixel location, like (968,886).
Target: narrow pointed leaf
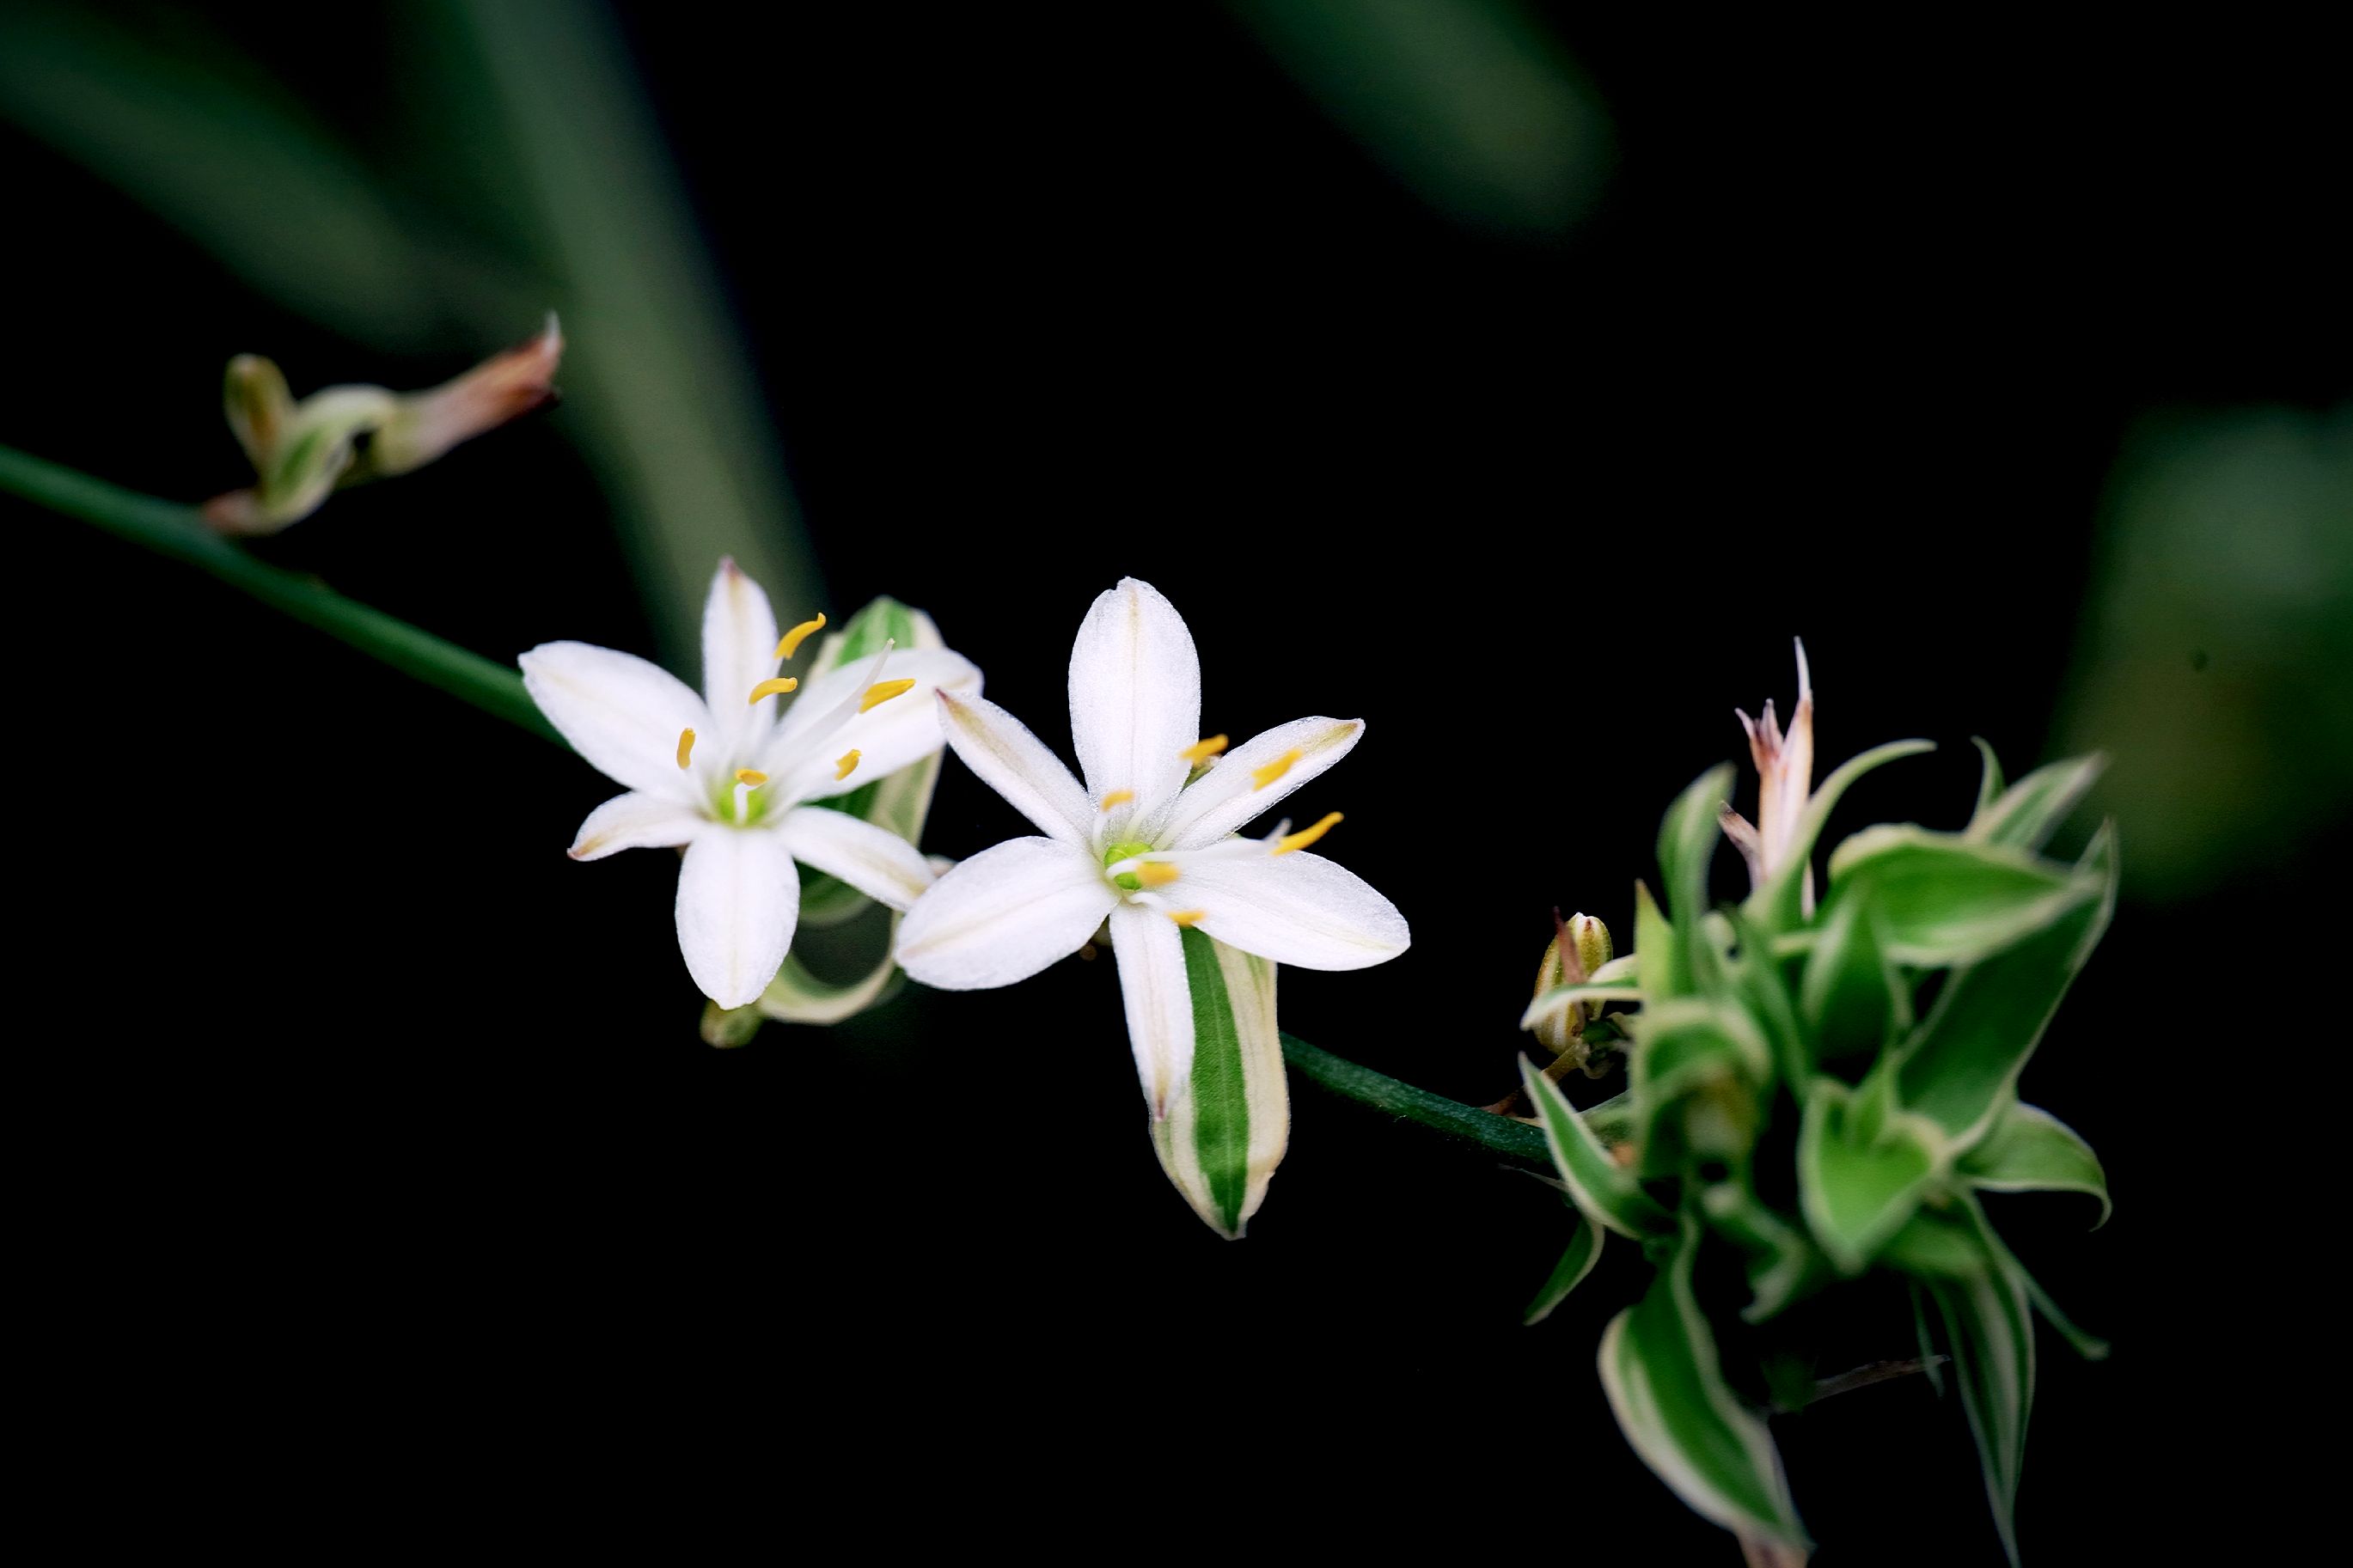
(2030,810)
(1660,1372)
(1990,783)
(1992,1337)
(1604,1192)
(1687,840)
(1756,979)
(1961,1066)
(1783,1266)
(2030,1151)
(1656,946)
(1777,905)
(1576,1261)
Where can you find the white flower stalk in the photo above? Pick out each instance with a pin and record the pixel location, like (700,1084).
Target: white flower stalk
(726,777)
(1785,780)
(1147,844)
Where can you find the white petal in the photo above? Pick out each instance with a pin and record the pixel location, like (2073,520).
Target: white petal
(1159,1002)
(738,901)
(1014,762)
(874,860)
(1004,915)
(891,735)
(1135,696)
(635,821)
(1226,797)
(739,651)
(621,713)
(1296,909)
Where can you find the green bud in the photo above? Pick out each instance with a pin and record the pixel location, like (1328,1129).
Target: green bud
(728,1027)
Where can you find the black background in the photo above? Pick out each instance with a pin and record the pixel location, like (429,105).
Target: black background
(363,1115)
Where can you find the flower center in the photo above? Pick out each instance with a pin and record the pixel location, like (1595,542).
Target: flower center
(1128,849)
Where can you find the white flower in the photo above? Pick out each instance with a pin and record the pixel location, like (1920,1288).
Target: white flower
(1141,846)
(724,776)
(1785,779)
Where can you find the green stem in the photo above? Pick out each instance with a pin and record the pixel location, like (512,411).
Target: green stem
(180,532)
(1512,1140)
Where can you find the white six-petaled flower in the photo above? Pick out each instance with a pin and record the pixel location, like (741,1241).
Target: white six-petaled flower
(725,777)
(1146,843)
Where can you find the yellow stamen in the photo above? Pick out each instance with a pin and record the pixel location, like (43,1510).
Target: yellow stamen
(841,769)
(685,746)
(1187,917)
(1155,873)
(1300,840)
(1200,751)
(1263,776)
(793,639)
(752,776)
(773,685)
(882,691)
(1117,797)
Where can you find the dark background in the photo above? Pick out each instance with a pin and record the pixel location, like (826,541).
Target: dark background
(358,1097)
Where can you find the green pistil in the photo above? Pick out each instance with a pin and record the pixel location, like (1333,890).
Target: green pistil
(1128,849)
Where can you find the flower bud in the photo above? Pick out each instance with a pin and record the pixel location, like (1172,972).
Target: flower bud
(301,452)
(1580,946)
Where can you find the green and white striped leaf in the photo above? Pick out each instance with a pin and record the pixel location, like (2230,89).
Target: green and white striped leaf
(1853,1000)
(1778,905)
(797,996)
(1221,1141)
(1859,1186)
(1665,1385)
(2030,1151)
(1941,899)
(1961,1068)
(901,802)
(1575,1262)
(1984,1310)
(1604,1192)
(2027,812)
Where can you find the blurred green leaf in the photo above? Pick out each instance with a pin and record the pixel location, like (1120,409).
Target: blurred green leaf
(1992,1342)
(1782,1264)
(657,377)
(1467,101)
(2215,664)
(1859,1185)
(1694,1073)
(1853,1000)
(1660,1369)
(1576,1261)
(1941,899)
(1961,1066)
(2029,812)
(219,151)
(2032,1151)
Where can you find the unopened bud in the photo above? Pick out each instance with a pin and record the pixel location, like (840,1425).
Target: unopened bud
(728,1027)
(1579,946)
(303,452)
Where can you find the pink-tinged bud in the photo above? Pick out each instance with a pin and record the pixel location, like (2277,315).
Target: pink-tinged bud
(303,452)
(428,424)
(1785,780)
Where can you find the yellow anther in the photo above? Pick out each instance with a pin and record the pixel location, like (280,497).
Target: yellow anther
(1187,917)
(1200,751)
(773,685)
(882,691)
(1302,839)
(1117,797)
(1155,873)
(1263,776)
(685,746)
(841,769)
(793,639)
(752,776)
